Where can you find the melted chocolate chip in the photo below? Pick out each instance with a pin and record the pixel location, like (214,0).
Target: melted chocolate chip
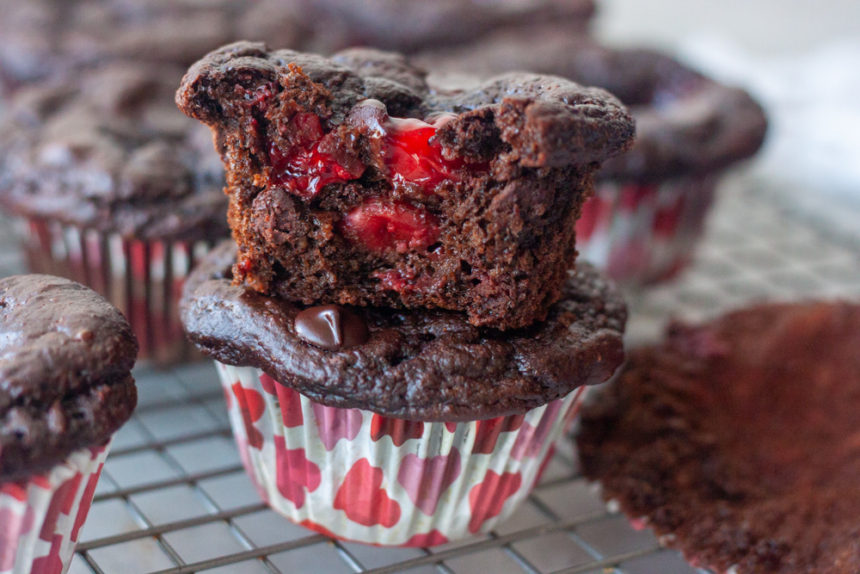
(330,327)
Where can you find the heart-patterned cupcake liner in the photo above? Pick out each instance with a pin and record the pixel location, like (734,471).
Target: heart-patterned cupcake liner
(143,279)
(356,475)
(41,516)
(644,233)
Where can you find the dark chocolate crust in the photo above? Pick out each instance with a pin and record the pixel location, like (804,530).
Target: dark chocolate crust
(65,372)
(686,123)
(502,238)
(107,150)
(411,25)
(43,38)
(427,365)
(738,440)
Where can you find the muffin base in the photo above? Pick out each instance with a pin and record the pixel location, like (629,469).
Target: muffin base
(355,475)
(644,233)
(143,279)
(41,516)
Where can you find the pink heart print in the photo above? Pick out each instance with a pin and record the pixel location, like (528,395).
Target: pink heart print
(289,401)
(363,499)
(334,424)
(295,473)
(426,479)
(251,406)
(487,498)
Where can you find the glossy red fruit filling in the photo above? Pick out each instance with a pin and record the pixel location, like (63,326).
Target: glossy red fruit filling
(413,156)
(304,169)
(382,226)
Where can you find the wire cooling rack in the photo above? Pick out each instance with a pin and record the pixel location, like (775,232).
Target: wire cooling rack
(173,496)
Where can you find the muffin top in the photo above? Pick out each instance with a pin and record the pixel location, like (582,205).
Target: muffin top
(426,365)
(739,439)
(685,123)
(107,149)
(65,381)
(543,121)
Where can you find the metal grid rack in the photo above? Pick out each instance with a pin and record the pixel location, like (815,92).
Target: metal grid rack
(174,498)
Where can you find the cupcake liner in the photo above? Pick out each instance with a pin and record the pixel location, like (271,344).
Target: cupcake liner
(41,516)
(360,476)
(143,279)
(644,233)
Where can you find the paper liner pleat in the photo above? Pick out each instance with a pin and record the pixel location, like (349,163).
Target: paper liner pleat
(355,475)
(41,517)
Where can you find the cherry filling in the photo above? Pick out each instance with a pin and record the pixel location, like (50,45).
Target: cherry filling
(414,157)
(304,169)
(381,225)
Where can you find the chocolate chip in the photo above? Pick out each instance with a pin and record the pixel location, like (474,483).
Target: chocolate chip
(330,327)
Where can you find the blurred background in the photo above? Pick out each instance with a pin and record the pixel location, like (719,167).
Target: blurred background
(800,59)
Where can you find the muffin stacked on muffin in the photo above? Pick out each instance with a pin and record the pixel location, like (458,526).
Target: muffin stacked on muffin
(424,411)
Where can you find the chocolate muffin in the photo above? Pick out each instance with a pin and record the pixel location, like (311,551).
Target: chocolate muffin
(397,427)
(650,202)
(736,440)
(353,181)
(411,25)
(114,188)
(65,387)
(65,372)
(44,38)
(417,364)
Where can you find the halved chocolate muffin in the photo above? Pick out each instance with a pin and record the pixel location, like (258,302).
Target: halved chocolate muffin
(353,181)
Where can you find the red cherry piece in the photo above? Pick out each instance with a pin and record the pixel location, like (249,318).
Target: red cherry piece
(488,431)
(303,169)
(382,226)
(295,473)
(363,499)
(487,498)
(413,157)
(398,429)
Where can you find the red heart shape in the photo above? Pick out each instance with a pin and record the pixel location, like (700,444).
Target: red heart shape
(251,406)
(530,440)
(334,424)
(289,401)
(487,497)
(432,538)
(425,479)
(295,472)
(363,499)
(398,429)
(488,431)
